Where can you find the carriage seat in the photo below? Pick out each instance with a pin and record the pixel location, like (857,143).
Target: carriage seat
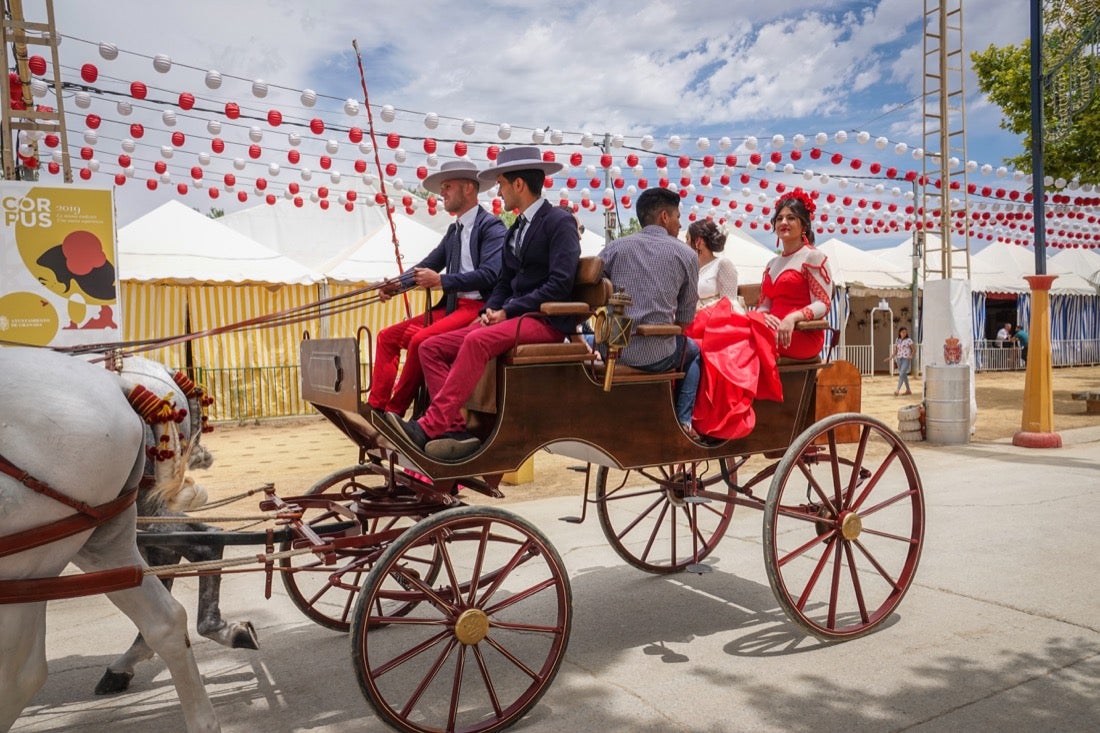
(590,291)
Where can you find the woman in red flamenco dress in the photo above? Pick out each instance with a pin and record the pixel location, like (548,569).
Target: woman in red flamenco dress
(740,349)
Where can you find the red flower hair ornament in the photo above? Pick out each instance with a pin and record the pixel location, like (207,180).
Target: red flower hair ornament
(797,193)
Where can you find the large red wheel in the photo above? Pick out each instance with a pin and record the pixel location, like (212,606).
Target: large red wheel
(656,519)
(843,527)
(480,646)
(363,504)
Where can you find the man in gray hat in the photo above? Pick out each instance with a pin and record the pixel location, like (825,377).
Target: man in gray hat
(539,263)
(469,253)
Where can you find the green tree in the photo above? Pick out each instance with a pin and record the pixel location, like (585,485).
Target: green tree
(1071,148)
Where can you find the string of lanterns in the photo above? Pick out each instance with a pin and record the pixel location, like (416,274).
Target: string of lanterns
(603,175)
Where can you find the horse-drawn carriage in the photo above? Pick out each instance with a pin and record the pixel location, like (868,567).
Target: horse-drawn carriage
(460,615)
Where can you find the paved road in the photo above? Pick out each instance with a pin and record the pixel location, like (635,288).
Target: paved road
(1000,632)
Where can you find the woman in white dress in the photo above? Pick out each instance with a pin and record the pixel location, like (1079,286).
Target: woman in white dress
(717,275)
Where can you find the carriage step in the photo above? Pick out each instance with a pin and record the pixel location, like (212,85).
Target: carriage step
(699,568)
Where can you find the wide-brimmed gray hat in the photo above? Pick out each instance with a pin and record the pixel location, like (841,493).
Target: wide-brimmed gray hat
(463,169)
(524,157)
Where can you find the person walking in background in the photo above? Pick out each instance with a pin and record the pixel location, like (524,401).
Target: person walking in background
(902,352)
(717,275)
(1021,338)
(464,265)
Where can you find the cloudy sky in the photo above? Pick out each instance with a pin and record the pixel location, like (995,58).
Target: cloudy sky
(664,67)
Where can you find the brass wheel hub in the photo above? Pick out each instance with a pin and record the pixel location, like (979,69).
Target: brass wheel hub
(472,626)
(850,526)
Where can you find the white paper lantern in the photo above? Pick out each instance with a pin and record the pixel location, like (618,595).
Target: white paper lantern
(398,184)
(305,174)
(168,117)
(259,88)
(587,140)
(556,137)
(109,51)
(369,180)
(239,163)
(986,169)
(334,177)
(82,99)
(165,178)
(388,112)
(308,97)
(1002,172)
(468,126)
(124,108)
(769,167)
(214,127)
(724,143)
(703,143)
(38,88)
(93,165)
(881,143)
(798,140)
(862,137)
(366,147)
(432,161)
(590,171)
(1020,175)
(56,156)
(294,139)
(166,151)
(314,198)
(821,138)
(751,143)
(26,150)
(128,145)
(331,146)
(918,153)
(537,136)
(91,137)
(351,107)
(273,169)
(953,162)
(213,79)
(431,120)
(788,168)
(778,141)
(399,155)
(204,158)
(647,142)
(639,170)
(841,136)
(287,194)
(900,148)
(162,62)
(255,134)
(616,140)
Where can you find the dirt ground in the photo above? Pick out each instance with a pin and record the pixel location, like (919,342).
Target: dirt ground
(295,453)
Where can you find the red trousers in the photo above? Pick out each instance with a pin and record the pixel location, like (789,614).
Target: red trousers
(453,363)
(409,335)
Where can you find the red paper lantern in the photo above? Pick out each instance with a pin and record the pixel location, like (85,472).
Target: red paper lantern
(406,200)
(548,156)
(178,138)
(124,161)
(429,145)
(632,160)
(274,117)
(360,165)
(181,188)
(605,160)
(380,199)
(755,158)
(254,151)
(643,183)
(323,203)
(217,145)
(731,161)
(875,168)
(85,173)
(595,183)
(576,159)
(230,180)
(53,167)
(160,166)
(93,121)
(776,156)
(214,193)
(704,179)
(293,187)
(316,126)
(186,100)
(708,160)
(815,153)
(322,192)
(393,140)
(37,65)
(196,172)
(52,141)
(492,152)
(856,163)
(86,153)
(662,182)
(571,182)
(261,184)
(151,184)
(138,90)
(548,182)
(293,155)
(270,199)
(391,169)
(298,201)
(232,110)
(89,73)
(136,130)
(242,196)
(837,159)
(460,148)
(355,134)
(421,172)
(120,179)
(684,161)
(326,162)
(661,161)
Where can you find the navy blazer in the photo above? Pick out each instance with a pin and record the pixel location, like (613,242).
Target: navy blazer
(486,244)
(544,271)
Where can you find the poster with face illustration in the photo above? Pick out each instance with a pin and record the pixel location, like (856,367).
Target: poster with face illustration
(58,266)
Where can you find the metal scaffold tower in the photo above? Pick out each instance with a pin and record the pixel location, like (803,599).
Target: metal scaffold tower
(945,141)
(24,122)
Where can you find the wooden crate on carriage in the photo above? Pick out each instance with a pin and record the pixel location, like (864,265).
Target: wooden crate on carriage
(839,389)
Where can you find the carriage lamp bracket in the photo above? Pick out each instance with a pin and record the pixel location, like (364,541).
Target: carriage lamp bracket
(613,328)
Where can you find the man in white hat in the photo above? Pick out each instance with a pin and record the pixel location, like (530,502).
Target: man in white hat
(539,263)
(465,266)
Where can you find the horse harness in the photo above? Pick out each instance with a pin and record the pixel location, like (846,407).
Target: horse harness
(86,516)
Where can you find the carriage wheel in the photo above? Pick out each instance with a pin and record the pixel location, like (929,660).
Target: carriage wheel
(654,517)
(481,646)
(843,526)
(326,592)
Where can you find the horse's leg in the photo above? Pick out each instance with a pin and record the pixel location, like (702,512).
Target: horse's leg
(159,617)
(239,634)
(22,658)
(117,677)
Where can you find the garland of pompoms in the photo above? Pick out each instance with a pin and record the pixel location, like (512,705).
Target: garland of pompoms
(196,392)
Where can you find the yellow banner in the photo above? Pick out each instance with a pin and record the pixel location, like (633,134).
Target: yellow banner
(58,265)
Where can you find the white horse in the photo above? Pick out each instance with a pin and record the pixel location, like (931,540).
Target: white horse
(69,426)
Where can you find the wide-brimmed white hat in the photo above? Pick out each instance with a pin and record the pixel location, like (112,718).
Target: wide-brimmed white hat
(525,157)
(463,169)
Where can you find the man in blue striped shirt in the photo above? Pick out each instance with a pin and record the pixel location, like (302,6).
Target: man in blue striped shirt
(661,275)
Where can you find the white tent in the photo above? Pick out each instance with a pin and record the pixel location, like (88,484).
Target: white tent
(748,255)
(372,257)
(1083,262)
(1001,267)
(862,272)
(174,243)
